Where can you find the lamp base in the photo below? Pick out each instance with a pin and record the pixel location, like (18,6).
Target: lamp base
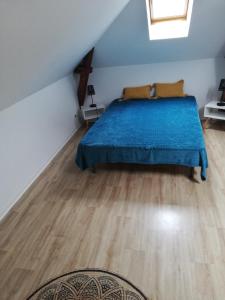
(221,103)
(93,105)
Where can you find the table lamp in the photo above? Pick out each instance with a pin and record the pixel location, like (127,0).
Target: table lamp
(91,92)
(222,88)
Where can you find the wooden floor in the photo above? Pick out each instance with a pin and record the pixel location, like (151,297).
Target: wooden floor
(154,226)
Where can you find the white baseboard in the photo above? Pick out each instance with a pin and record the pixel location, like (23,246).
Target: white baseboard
(40,171)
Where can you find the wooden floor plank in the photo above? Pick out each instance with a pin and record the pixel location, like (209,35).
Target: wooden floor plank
(153,225)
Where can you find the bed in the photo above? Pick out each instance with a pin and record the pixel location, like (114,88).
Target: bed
(162,131)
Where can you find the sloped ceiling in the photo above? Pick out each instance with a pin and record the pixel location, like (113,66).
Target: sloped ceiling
(43,40)
(127,42)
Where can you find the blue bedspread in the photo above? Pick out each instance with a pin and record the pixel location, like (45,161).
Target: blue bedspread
(163,131)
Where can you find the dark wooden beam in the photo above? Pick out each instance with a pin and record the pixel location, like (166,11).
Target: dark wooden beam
(84,69)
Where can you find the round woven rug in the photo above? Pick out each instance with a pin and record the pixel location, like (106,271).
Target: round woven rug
(88,285)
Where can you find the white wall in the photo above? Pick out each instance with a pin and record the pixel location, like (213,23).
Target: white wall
(201,78)
(126,42)
(43,40)
(31,133)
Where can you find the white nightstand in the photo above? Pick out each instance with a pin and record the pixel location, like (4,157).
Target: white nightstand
(91,114)
(213,111)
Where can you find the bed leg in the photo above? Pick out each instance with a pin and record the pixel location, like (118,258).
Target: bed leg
(192,172)
(93,170)
(205,124)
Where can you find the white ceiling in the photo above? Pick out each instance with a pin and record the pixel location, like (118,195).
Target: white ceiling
(126,42)
(43,40)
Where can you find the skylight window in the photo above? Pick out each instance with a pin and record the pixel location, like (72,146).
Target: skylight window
(169,18)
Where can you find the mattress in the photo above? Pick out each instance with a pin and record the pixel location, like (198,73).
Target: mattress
(162,131)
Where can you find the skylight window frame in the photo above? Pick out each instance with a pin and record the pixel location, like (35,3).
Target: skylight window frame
(169,29)
(166,19)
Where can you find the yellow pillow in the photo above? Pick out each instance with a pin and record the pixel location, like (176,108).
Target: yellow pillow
(163,90)
(139,92)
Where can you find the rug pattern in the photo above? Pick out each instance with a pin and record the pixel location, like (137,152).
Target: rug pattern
(88,285)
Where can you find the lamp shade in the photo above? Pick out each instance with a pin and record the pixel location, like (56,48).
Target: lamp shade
(90,90)
(222,85)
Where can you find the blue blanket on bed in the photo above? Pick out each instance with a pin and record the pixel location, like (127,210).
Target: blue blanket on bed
(163,131)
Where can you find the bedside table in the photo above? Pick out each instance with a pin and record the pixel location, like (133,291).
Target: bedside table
(213,111)
(91,114)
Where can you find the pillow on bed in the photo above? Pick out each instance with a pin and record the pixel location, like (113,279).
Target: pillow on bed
(138,92)
(163,90)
